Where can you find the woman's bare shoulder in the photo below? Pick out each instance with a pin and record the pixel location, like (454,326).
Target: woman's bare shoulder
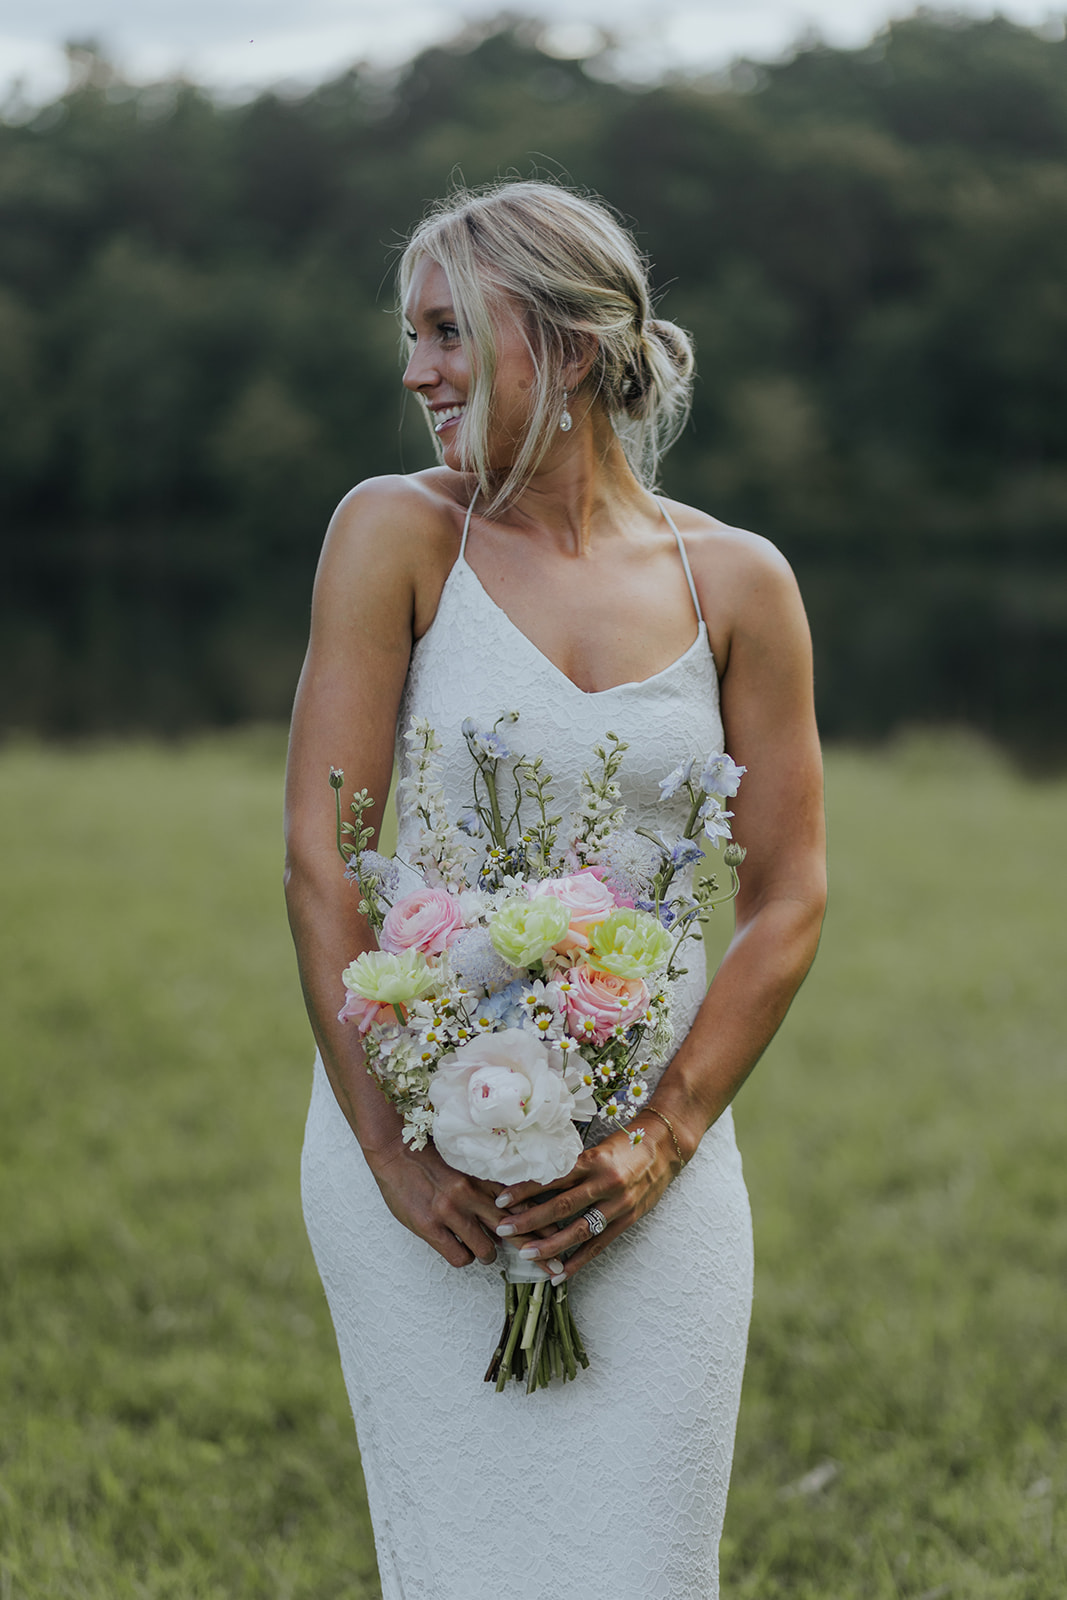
(721,552)
(393,541)
(401,514)
(748,593)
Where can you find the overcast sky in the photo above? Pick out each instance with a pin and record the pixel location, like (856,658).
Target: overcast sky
(235,44)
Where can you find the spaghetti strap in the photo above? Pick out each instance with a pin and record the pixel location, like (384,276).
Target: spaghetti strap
(467,528)
(685,559)
(670,523)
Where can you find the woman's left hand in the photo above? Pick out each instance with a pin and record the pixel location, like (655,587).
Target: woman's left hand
(619,1179)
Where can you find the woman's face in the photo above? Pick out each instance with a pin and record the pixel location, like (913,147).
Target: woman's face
(439,372)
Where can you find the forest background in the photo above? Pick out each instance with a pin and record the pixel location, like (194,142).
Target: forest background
(198,354)
(197,358)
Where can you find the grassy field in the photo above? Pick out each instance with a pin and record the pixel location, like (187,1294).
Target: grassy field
(172,1419)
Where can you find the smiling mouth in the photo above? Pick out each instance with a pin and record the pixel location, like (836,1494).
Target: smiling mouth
(447,415)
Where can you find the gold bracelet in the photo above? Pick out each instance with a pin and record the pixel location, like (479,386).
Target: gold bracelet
(669,1125)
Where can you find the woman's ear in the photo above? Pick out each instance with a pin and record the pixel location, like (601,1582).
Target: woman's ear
(584,348)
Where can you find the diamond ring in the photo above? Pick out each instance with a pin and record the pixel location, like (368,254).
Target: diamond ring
(596,1221)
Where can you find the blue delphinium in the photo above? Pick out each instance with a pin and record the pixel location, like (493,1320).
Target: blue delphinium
(686,853)
(505,1008)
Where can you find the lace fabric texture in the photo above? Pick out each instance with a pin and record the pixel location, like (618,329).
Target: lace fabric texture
(612,1487)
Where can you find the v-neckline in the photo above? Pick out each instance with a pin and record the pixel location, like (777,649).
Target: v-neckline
(588,694)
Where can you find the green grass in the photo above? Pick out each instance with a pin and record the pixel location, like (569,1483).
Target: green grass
(172,1418)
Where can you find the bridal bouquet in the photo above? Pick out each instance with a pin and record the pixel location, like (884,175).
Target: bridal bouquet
(522,990)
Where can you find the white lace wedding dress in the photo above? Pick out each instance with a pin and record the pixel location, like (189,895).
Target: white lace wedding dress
(612,1487)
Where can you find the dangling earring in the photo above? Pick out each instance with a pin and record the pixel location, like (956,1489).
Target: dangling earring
(565,421)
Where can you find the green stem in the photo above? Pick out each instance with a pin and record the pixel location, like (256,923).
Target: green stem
(499,836)
(685,934)
(504,1373)
(724,899)
(530,1330)
(579,1347)
(559,1302)
(698,801)
(498,1353)
(337,806)
(537,1351)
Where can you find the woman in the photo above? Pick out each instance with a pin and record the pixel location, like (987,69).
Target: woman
(534,570)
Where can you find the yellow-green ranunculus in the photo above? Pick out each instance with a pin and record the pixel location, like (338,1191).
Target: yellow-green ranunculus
(631,944)
(524,931)
(388,979)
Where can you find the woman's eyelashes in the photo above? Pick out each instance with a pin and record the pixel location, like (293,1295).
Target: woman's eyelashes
(448,333)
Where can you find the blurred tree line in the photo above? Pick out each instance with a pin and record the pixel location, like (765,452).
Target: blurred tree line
(198,355)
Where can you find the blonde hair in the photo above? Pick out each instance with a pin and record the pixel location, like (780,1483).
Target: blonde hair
(575,276)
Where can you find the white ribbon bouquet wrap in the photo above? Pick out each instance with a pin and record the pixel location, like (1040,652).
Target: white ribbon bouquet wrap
(522,990)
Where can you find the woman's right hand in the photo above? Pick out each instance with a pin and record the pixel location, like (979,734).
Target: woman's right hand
(452,1212)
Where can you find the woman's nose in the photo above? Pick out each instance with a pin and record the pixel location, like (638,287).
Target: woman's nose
(420,372)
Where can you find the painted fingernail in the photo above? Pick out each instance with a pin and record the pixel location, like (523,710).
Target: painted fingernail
(505,1230)
(503,1201)
(561,1277)
(554,1265)
(530,1250)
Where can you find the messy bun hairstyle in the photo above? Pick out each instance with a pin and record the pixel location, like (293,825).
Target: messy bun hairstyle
(575,275)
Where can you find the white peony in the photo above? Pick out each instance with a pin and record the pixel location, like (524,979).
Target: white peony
(503,1112)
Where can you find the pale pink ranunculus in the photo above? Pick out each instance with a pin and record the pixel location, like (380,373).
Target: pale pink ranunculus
(365,1013)
(427,920)
(587,900)
(604,1000)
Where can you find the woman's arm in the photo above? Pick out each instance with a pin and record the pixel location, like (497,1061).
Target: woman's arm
(385,540)
(769,720)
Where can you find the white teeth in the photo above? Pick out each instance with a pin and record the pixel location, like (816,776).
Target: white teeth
(447,414)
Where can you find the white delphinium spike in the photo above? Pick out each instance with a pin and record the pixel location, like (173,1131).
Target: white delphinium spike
(442,852)
(676,780)
(716,821)
(721,776)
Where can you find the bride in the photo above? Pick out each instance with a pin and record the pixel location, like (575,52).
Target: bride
(534,570)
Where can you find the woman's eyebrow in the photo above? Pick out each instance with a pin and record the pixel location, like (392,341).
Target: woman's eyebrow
(433,314)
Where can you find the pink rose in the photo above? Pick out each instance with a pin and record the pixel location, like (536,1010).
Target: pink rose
(587,900)
(427,920)
(597,1001)
(366,1012)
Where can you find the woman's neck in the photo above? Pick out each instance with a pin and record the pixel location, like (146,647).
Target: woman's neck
(583,491)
